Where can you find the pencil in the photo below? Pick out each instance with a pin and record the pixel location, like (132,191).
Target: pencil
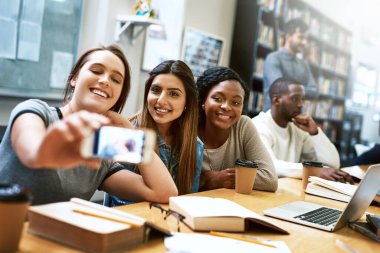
(241,238)
(131,223)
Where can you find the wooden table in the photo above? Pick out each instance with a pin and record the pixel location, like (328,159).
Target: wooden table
(301,238)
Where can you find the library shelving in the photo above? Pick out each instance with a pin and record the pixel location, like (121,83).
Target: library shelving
(254,38)
(258,31)
(351,128)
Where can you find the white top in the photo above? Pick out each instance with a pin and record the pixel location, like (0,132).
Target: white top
(290,146)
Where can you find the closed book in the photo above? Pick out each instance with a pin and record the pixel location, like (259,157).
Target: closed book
(86,226)
(217,214)
(374,222)
(364,228)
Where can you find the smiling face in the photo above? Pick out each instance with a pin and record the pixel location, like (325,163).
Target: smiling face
(224,104)
(166,100)
(99,82)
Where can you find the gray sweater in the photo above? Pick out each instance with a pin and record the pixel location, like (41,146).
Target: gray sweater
(244,143)
(47,185)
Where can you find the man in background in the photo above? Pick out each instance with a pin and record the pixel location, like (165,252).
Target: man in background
(292,137)
(286,63)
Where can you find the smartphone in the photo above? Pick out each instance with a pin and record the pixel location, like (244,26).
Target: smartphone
(312,164)
(120,144)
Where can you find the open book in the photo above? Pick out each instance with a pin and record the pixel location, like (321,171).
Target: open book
(206,214)
(86,225)
(357,172)
(330,189)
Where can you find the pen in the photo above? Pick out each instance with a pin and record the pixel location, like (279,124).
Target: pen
(131,223)
(241,238)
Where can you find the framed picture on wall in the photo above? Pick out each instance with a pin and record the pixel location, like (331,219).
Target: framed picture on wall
(201,50)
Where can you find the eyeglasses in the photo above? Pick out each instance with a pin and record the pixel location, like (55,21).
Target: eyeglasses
(169,213)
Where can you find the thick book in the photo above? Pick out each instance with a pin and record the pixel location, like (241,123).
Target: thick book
(218,214)
(374,221)
(330,189)
(86,226)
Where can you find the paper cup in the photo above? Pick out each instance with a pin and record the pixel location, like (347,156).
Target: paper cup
(310,169)
(14,203)
(245,175)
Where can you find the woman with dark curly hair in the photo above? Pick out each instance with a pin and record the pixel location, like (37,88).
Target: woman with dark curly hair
(227,134)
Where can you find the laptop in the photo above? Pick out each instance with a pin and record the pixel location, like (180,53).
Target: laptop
(330,219)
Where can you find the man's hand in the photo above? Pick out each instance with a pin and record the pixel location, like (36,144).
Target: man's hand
(336,175)
(306,123)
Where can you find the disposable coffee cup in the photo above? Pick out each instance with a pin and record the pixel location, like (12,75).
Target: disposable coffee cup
(310,169)
(245,174)
(14,203)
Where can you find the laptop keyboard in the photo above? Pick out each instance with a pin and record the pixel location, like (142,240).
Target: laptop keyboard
(322,216)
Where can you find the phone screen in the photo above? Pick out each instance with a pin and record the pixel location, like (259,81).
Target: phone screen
(120,144)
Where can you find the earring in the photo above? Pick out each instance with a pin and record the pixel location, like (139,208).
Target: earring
(203,106)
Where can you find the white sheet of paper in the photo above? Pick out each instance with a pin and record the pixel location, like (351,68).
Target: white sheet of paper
(199,243)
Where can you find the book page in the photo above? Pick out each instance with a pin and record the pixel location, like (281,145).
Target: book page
(210,207)
(347,189)
(189,242)
(354,171)
(313,188)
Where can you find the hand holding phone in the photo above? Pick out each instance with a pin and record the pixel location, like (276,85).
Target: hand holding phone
(120,144)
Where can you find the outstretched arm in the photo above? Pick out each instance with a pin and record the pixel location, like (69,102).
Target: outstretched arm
(57,146)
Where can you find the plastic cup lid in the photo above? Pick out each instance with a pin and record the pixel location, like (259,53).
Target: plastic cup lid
(246,163)
(14,193)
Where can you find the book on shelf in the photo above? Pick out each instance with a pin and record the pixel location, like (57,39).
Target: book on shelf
(87,226)
(266,34)
(255,101)
(218,214)
(330,189)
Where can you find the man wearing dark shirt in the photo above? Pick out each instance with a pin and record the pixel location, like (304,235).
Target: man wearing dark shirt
(285,63)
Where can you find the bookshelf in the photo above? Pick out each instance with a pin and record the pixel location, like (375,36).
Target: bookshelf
(259,31)
(351,128)
(251,44)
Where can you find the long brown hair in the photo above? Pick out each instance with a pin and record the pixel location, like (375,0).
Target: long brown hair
(184,129)
(116,50)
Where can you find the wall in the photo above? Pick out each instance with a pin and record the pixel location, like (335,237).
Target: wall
(212,16)
(215,17)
